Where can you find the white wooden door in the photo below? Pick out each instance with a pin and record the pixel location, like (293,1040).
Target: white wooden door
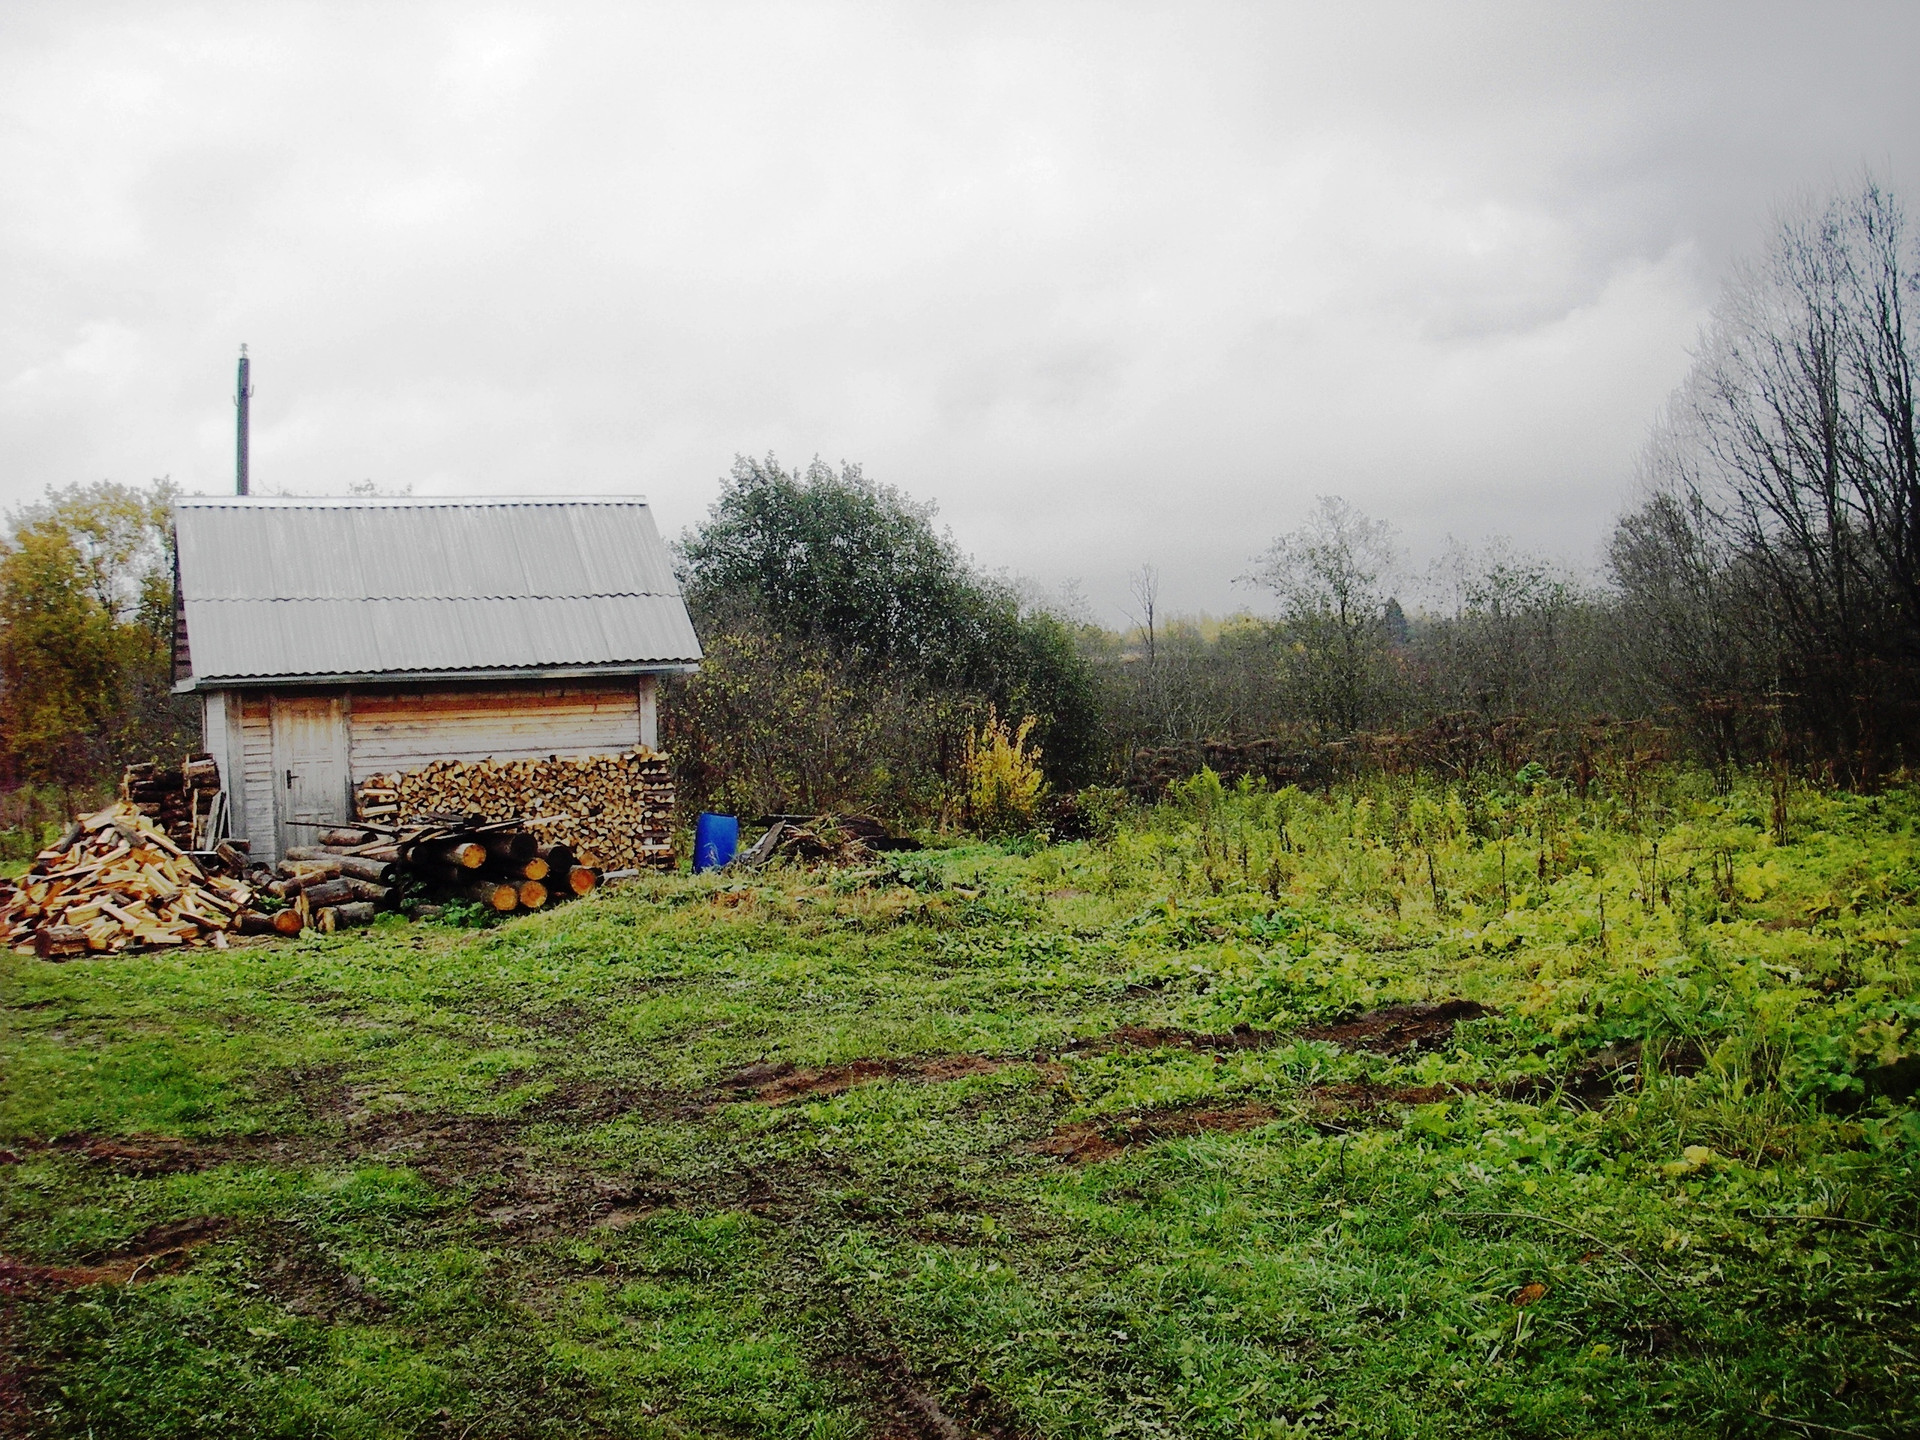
(310,767)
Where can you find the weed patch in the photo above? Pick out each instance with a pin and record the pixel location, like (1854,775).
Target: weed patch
(1167,1134)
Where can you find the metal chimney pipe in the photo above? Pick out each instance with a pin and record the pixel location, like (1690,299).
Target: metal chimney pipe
(242,395)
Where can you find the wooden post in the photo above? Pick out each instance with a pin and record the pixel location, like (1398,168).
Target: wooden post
(649,712)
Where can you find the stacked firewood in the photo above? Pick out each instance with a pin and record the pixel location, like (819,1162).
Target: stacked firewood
(614,811)
(353,873)
(117,881)
(175,797)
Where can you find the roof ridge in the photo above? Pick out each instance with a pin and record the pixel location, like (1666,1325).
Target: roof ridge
(390,502)
(448,599)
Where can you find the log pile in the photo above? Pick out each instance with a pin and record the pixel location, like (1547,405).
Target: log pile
(117,881)
(612,811)
(351,874)
(175,798)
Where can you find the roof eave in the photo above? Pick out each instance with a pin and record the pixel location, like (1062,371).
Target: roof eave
(194,684)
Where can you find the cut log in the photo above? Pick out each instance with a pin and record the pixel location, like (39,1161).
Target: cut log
(305,878)
(467,854)
(359,867)
(56,942)
(337,891)
(366,890)
(511,847)
(580,880)
(534,869)
(621,807)
(532,894)
(559,858)
(346,837)
(495,893)
(341,917)
(281,922)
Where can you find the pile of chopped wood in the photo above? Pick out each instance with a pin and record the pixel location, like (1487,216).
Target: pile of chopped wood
(117,881)
(353,873)
(618,809)
(185,801)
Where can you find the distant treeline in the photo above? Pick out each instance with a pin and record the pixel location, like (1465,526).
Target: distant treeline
(1761,605)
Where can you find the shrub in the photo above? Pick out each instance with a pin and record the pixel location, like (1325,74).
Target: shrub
(1004,781)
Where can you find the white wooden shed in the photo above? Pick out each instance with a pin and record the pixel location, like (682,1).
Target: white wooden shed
(331,639)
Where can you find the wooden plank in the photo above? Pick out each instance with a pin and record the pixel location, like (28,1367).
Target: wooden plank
(406,730)
(256,745)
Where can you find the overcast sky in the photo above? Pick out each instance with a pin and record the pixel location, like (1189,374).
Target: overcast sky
(1111,283)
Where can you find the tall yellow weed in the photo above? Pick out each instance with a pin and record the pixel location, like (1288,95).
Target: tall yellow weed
(1004,783)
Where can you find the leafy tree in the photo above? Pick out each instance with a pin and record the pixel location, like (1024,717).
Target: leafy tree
(855,570)
(85,619)
(837,560)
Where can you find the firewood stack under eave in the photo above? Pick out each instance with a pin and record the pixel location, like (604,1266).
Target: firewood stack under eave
(618,809)
(172,797)
(116,881)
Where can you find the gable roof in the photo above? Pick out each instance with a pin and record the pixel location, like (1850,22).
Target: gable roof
(332,590)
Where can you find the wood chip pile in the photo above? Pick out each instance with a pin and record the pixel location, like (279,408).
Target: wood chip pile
(117,881)
(614,811)
(174,797)
(351,874)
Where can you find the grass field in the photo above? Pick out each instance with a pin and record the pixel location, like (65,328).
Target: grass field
(1406,1111)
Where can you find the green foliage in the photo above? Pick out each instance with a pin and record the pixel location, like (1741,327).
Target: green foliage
(851,647)
(513,1181)
(773,725)
(837,560)
(1004,781)
(86,615)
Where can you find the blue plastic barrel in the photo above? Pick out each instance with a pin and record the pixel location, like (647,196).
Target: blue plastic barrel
(715,838)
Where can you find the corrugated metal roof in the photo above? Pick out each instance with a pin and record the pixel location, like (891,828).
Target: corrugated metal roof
(337,588)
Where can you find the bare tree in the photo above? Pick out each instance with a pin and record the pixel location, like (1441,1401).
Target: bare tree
(1508,639)
(1144,584)
(1330,579)
(1791,455)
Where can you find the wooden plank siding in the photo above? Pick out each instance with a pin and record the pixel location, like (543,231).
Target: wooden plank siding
(256,751)
(405,730)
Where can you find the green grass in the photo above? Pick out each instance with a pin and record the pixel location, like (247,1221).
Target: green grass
(489,1182)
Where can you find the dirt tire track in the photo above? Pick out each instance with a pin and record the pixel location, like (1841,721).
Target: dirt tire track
(125,1264)
(1396,1029)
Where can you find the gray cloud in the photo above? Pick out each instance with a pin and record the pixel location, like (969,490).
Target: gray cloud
(1111,283)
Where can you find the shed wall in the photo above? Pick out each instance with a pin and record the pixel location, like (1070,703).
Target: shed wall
(404,730)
